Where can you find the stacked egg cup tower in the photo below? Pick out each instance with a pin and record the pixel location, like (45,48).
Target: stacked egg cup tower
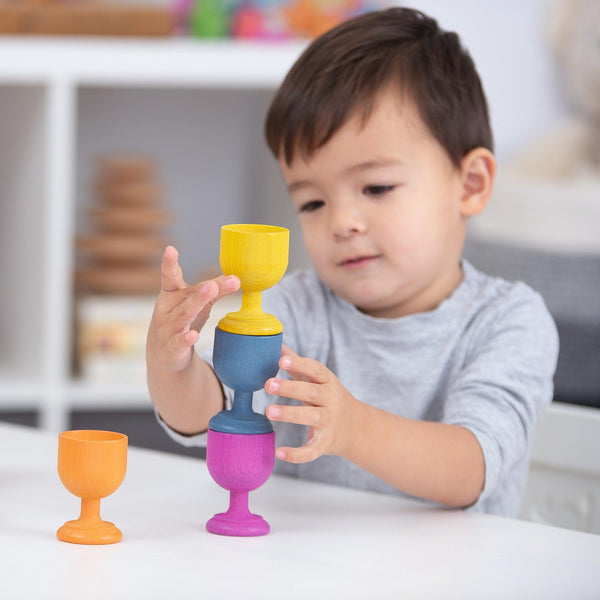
(240,450)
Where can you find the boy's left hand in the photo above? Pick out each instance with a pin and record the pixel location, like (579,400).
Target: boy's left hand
(329,410)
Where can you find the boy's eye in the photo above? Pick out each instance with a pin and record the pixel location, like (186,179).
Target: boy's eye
(311,206)
(377,190)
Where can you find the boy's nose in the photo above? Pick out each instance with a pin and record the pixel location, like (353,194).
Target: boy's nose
(346,222)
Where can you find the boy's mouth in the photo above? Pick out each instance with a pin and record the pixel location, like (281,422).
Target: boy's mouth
(358,262)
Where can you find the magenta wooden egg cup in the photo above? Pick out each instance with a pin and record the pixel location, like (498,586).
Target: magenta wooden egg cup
(239,463)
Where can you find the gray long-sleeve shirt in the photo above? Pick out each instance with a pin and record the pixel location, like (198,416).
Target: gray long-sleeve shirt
(483,359)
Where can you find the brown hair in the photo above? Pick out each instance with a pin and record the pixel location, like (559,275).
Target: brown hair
(343,70)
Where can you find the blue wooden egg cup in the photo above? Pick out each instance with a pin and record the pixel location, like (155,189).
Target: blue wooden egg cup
(244,363)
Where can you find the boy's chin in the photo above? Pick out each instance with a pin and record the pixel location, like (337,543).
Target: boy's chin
(365,302)
(378,305)
(363,294)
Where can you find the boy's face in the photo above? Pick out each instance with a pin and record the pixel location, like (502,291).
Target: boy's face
(379,207)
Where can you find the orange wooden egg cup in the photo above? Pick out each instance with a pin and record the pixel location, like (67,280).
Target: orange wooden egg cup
(91,465)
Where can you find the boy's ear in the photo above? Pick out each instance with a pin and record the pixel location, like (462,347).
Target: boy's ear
(478,169)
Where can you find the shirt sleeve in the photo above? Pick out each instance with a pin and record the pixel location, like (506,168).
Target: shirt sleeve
(505,382)
(189,441)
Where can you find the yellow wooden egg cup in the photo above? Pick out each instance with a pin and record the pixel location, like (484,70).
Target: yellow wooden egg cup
(258,255)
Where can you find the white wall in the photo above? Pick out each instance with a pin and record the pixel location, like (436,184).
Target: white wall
(507,41)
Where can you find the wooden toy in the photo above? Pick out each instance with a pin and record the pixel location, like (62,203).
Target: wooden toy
(240,451)
(120,252)
(91,465)
(258,255)
(89,17)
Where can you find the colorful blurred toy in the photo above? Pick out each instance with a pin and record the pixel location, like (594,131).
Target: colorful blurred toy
(209,18)
(266,19)
(248,22)
(311,18)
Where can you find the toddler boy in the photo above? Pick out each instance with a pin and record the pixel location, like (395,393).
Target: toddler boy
(405,369)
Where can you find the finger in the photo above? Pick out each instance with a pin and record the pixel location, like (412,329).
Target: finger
(180,343)
(227,284)
(307,369)
(307,453)
(193,301)
(304,391)
(287,351)
(201,297)
(171,275)
(299,415)
(220,287)
(215,288)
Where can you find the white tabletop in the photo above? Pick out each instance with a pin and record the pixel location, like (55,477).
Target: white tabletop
(325,541)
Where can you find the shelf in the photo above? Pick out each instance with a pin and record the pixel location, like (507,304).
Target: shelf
(563,487)
(134,62)
(563,422)
(122,396)
(23,212)
(19,394)
(196,107)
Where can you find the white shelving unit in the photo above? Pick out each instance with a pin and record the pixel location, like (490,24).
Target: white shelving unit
(564,478)
(199,108)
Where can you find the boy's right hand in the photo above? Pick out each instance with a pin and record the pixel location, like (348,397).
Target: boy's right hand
(180,313)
